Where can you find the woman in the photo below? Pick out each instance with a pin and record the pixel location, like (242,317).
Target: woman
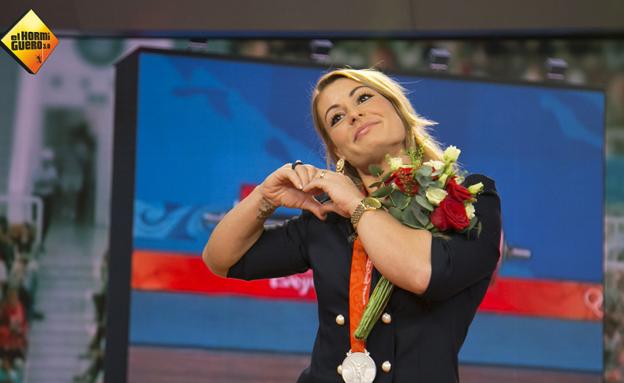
(362,115)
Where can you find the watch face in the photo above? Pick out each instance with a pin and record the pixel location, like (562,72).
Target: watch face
(371,202)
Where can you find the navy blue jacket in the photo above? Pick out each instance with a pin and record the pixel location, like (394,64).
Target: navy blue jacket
(426,331)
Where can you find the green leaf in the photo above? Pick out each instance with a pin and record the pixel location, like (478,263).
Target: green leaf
(423,181)
(468,230)
(407,202)
(424,171)
(410,220)
(441,235)
(387,202)
(386,177)
(400,199)
(479,229)
(420,216)
(414,226)
(422,201)
(473,222)
(396,213)
(375,170)
(382,191)
(429,226)
(375,184)
(413,203)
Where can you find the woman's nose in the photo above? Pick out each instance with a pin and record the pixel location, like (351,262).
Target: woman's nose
(355,115)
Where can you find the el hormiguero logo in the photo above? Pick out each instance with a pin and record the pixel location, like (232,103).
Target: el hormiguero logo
(30,42)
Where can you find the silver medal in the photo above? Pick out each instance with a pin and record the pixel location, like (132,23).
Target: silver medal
(358,367)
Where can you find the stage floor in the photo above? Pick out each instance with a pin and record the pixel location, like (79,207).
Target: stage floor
(167,365)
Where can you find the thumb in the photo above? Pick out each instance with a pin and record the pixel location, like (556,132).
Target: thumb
(315,207)
(330,206)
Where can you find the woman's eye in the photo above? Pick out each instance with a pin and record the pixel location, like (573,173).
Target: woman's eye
(361,98)
(334,119)
(364,96)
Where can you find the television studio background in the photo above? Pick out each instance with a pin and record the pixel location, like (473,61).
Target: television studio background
(57,131)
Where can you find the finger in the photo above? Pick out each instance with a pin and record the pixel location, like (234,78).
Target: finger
(323,173)
(311,170)
(315,207)
(314,172)
(293,177)
(330,206)
(302,173)
(315,191)
(316,183)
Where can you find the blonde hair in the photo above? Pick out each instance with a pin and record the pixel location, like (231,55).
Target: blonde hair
(416,127)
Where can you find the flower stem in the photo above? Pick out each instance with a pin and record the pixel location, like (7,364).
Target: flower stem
(377,303)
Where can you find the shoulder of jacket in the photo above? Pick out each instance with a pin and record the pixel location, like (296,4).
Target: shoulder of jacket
(488,182)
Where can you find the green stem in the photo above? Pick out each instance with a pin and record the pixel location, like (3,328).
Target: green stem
(377,303)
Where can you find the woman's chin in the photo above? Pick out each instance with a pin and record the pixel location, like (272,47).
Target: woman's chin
(377,145)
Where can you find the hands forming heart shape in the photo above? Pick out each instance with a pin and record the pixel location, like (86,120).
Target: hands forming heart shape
(295,187)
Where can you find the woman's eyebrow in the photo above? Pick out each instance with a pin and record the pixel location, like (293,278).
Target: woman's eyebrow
(350,94)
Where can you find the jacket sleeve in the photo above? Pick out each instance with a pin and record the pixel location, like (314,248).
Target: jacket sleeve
(459,262)
(281,250)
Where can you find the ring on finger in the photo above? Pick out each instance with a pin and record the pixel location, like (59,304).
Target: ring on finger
(322,173)
(294,165)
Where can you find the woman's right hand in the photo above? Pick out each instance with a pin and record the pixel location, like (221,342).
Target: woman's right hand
(283,188)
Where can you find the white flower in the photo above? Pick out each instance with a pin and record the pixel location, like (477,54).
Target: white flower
(470,211)
(437,165)
(434,163)
(451,154)
(395,163)
(476,188)
(435,195)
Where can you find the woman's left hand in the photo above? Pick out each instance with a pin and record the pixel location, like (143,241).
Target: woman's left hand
(344,194)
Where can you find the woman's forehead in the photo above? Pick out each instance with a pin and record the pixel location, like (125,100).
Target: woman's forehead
(341,86)
(337,90)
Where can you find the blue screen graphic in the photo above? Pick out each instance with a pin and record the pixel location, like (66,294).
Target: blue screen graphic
(207,126)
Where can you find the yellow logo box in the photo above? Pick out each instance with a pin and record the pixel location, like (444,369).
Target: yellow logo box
(30,42)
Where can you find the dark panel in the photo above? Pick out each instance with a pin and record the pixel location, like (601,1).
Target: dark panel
(8,78)
(519,16)
(362,18)
(122,210)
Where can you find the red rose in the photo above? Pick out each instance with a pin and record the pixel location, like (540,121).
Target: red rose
(457,191)
(450,214)
(404,180)
(438,218)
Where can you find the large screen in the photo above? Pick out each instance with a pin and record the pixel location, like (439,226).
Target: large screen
(196,133)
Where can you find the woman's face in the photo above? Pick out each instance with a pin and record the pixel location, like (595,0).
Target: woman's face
(362,124)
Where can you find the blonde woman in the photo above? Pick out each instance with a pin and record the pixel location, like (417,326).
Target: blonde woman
(362,116)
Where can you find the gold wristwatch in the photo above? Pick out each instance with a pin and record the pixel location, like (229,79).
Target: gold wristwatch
(368,203)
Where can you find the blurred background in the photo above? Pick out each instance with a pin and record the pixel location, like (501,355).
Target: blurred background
(56,135)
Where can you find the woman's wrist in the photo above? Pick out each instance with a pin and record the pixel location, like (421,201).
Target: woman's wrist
(354,205)
(266,209)
(364,205)
(265,206)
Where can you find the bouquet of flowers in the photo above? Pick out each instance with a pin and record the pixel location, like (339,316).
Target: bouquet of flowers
(425,196)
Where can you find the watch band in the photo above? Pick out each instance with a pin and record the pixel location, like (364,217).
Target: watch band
(366,204)
(357,214)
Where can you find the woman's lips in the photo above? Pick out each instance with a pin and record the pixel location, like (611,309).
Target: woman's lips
(363,130)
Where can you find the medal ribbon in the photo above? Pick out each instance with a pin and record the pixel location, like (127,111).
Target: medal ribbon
(359,289)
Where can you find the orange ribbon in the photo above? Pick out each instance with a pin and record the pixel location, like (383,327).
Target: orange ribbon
(359,289)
